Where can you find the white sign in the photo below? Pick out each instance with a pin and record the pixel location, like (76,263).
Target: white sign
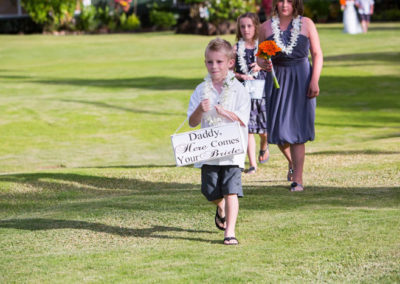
(207,144)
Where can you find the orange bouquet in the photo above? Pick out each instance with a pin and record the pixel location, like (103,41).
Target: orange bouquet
(266,49)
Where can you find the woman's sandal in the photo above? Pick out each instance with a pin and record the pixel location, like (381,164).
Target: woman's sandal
(296,187)
(261,155)
(251,170)
(290,174)
(220,219)
(227,241)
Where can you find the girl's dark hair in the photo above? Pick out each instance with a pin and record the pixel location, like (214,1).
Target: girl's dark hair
(298,8)
(256,23)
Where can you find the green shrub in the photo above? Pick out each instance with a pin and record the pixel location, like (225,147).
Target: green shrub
(130,23)
(87,21)
(51,13)
(222,10)
(387,15)
(318,10)
(162,19)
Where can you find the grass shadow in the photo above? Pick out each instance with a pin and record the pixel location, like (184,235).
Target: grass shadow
(353,152)
(59,186)
(374,56)
(149,83)
(121,108)
(40,224)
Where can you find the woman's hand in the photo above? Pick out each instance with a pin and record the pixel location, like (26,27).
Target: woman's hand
(254,68)
(313,89)
(266,65)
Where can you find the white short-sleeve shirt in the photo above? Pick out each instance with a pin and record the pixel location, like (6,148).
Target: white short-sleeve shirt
(239,104)
(365,6)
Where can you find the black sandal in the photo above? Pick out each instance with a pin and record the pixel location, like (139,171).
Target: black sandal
(295,185)
(228,239)
(220,219)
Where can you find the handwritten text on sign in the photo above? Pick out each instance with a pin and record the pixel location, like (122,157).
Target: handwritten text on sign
(207,144)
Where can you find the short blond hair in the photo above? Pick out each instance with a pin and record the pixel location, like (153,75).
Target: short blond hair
(220,45)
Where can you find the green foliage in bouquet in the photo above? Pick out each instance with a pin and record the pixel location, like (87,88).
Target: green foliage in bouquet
(51,13)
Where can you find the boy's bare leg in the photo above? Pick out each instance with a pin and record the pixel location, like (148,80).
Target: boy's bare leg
(221,209)
(231,211)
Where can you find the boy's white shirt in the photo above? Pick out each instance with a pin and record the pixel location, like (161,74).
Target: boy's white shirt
(365,6)
(239,104)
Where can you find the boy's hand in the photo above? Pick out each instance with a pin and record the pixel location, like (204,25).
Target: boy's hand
(205,105)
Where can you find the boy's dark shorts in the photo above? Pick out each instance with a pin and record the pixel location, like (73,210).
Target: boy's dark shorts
(365,17)
(217,181)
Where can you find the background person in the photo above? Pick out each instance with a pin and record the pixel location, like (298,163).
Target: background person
(246,69)
(291,108)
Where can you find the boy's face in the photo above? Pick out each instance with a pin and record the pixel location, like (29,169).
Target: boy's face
(218,65)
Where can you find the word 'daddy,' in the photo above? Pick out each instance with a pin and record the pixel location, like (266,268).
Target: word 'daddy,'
(207,144)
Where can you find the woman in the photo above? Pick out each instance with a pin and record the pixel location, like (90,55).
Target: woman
(350,19)
(291,108)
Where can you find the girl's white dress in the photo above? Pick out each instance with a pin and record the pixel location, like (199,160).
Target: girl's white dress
(350,19)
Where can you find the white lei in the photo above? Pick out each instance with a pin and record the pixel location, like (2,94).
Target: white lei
(224,97)
(288,49)
(242,57)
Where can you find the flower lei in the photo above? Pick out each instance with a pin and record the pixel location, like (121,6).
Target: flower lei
(224,97)
(288,49)
(241,57)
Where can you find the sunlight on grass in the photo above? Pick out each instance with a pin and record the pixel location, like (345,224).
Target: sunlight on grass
(89,191)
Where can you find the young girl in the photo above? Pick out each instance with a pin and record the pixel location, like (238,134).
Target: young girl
(246,69)
(291,108)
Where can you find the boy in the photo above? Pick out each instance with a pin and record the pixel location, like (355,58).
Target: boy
(217,101)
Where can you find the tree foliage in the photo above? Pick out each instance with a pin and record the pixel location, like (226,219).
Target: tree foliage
(50,12)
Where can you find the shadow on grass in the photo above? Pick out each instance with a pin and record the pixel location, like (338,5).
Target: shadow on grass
(354,152)
(61,186)
(374,56)
(116,107)
(38,224)
(150,83)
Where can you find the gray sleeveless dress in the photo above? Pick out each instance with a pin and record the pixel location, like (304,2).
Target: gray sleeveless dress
(290,113)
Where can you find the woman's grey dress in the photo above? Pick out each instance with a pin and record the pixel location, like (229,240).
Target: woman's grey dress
(290,113)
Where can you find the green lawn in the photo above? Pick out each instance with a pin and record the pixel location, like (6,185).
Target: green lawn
(89,191)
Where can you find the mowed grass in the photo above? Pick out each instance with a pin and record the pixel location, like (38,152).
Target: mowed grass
(89,191)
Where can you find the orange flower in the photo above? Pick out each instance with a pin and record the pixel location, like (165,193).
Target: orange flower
(267,48)
(342,2)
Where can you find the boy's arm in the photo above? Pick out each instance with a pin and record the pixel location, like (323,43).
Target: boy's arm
(196,116)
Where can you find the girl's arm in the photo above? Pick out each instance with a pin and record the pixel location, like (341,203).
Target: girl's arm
(317,58)
(228,114)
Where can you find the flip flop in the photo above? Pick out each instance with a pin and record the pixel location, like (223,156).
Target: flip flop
(261,155)
(220,219)
(228,239)
(251,170)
